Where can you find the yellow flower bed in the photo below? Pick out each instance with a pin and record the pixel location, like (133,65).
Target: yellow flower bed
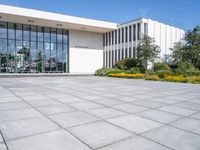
(175,79)
(124,75)
(152,77)
(193,79)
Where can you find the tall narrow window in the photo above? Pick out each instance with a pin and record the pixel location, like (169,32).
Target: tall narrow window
(115,56)
(145,29)
(115,36)
(119,36)
(122,53)
(126,34)
(119,54)
(112,58)
(109,59)
(134,32)
(139,31)
(126,53)
(122,35)
(134,51)
(104,59)
(109,39)
(130,33)
(104,39)
(130,53)
(112,37)
(106,53)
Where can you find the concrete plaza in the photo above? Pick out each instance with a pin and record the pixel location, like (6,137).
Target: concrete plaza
(89,113)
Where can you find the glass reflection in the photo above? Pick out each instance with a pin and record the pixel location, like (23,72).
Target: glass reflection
(32,49)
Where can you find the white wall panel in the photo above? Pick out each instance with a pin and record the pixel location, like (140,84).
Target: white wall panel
(85,60)
(85,51)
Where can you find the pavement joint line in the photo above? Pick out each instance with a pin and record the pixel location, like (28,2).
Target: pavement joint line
(114,142)
(4,141)
(57,124)
(138,112)
(134,133)
(40,133)
(145,110)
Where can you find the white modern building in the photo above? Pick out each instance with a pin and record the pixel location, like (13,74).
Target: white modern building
(122,43)
(37,41)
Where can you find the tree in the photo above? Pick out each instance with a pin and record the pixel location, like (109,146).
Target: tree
(188,51)
(147,51)
(178,53)
(192,47)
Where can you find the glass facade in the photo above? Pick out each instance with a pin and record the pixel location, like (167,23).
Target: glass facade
(32,49)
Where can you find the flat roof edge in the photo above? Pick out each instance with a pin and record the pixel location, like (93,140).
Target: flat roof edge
(32,13)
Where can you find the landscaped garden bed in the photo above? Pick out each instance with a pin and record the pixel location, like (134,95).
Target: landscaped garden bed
(183,73)
(183,63)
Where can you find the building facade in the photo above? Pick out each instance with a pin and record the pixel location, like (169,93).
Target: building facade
(33,41)
(122,43)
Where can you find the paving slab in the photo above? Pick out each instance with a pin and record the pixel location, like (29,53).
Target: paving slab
(69,100)
(149,104)
(106,113)
(1,139)
(92,97)
(188,124)
(189,105)
(9,99)
(135,124)
(2,146)
(196,116)
(164,100)
(55,109)
(197,101)
(18,114)
(13,105)
(100,134)
(129,108)
(57,140)
(178,110)
(160,116)
(136,143)
(26,127)
(42,102)
(85,105)
(174,138)
(72,119)
(108,102)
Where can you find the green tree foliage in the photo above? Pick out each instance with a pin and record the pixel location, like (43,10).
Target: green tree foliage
(190,50)
(161,66)
(127,64)
(147,51)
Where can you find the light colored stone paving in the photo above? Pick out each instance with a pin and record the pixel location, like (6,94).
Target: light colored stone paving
(89,113)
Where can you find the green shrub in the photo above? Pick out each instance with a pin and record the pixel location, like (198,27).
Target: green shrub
(184,67)
(161,66)
(106,71)
(127,64)
(152,77)
(192,73)
(164,73)
(193,79)
(135,70)
(150,72)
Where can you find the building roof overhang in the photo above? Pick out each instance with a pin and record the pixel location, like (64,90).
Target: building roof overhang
(42,18)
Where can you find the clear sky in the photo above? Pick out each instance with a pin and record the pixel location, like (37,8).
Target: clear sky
(181,13)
